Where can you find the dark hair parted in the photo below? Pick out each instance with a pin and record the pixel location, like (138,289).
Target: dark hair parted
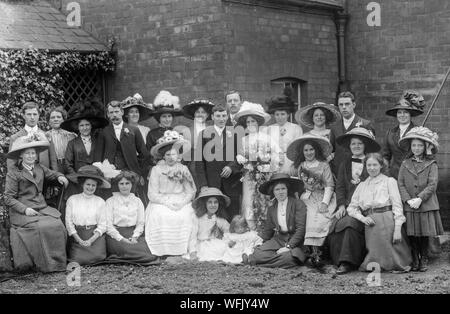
(218,108)
(157,116)
(347,94)
(201,210)
(82,180)
(30,105)
(301,156)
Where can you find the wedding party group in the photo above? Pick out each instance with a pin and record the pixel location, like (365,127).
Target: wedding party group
(269,186)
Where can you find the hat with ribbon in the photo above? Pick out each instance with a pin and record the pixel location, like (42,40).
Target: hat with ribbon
(412,101)
(425,134)
(33,140)
(90,172)
(145,110)
(172,138)
(364,134)
(254,110)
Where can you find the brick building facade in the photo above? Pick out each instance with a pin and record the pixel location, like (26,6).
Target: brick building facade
(205,47)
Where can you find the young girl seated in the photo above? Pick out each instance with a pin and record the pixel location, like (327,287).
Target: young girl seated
(240,240)
(125,224)
(209,207)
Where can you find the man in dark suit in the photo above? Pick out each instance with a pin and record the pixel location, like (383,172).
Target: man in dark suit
(215,159)
(347,104)
(234,101)
(30,113)
(122,144)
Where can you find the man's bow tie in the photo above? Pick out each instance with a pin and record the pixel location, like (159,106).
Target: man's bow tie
(357,160)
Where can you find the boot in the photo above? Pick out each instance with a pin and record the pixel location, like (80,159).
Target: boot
(415,254)
(423,263)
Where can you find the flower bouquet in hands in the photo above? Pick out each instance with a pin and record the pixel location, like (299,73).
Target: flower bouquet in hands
(311,180)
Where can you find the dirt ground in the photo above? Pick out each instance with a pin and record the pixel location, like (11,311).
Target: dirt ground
(179,276)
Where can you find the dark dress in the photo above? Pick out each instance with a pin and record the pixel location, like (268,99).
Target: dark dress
(36,241)
(346,238)
(274,239)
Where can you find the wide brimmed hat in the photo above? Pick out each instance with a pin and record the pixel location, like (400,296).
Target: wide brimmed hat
(40,143)
(424,134)
(145,110)
(404,104)
(165,102)
(295,184)
(170,137)
(251,109)
(91,172)
(210,192)
(283,102)
(91,110)
(305,115)
(190,109)
(366,135)
(293,149)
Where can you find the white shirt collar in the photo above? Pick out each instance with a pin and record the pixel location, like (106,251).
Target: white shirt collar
(349,120)
(219,130)
(118,126)
(31,129)
(403,128)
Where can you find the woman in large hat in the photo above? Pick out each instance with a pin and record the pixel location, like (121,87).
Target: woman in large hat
(136,110)
(165,108)
(86,217)
(260,157)
(37,234)
(346,237)
(309,154)
(210,207)
(84,118)
(410,105)
(282,131)
(170,220)
(319,116)
(417,181)
(284,229)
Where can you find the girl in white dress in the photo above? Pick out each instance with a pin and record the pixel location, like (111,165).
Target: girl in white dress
(212,226)
(170,219)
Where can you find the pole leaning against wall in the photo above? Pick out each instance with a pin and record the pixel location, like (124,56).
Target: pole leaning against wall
(436,97)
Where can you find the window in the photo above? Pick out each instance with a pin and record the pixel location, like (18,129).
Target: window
(297,86)
(83,85)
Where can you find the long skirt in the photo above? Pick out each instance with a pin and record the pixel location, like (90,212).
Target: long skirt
(254,204)
(170,232)
(120,252)
(40,244)
(381,250)
(317,224)
(90,255)
(211,250)
(424,224)
(346,241)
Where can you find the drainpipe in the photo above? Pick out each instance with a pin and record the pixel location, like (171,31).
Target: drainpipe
(341,19)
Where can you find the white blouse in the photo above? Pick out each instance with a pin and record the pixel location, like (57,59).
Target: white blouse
(84,210)
(377,192)
(205,224)
(124,211)
(144,131)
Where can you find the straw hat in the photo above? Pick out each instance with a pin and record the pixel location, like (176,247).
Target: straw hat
(251,109)
(293,149)
(190,109)
(145,110)
(90,172)
(209,192)
(91,110)
(366,135)
(40,143)
(295,184)
(424,134)
(165,102)
(170,137)
(305,115)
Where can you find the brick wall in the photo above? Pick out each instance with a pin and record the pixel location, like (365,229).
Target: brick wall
(408,51)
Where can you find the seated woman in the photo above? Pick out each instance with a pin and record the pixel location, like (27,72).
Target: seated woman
(212,225)
(37,235)
(170,219)
(377,204)
(86,218)
(346,237)
(125,224)
(284,230)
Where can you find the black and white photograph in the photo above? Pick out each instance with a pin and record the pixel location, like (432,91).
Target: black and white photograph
(227,153)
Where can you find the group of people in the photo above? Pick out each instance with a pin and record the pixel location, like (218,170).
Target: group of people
(230,187)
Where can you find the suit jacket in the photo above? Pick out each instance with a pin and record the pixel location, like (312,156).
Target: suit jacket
(393,152)
(343,153)
(77,156)
(344,187)
(47,158)
(131,142)
(296,223)
(22,190)
(421,183)
(209,167)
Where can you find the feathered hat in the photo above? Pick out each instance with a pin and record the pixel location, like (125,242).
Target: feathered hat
(165,102)
(425,134)
(145,110)
(91,110)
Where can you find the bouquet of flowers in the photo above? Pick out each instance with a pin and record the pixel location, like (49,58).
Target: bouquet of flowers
(311,180)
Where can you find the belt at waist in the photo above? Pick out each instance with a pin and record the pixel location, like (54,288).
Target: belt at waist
(378,210)
(86,227)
